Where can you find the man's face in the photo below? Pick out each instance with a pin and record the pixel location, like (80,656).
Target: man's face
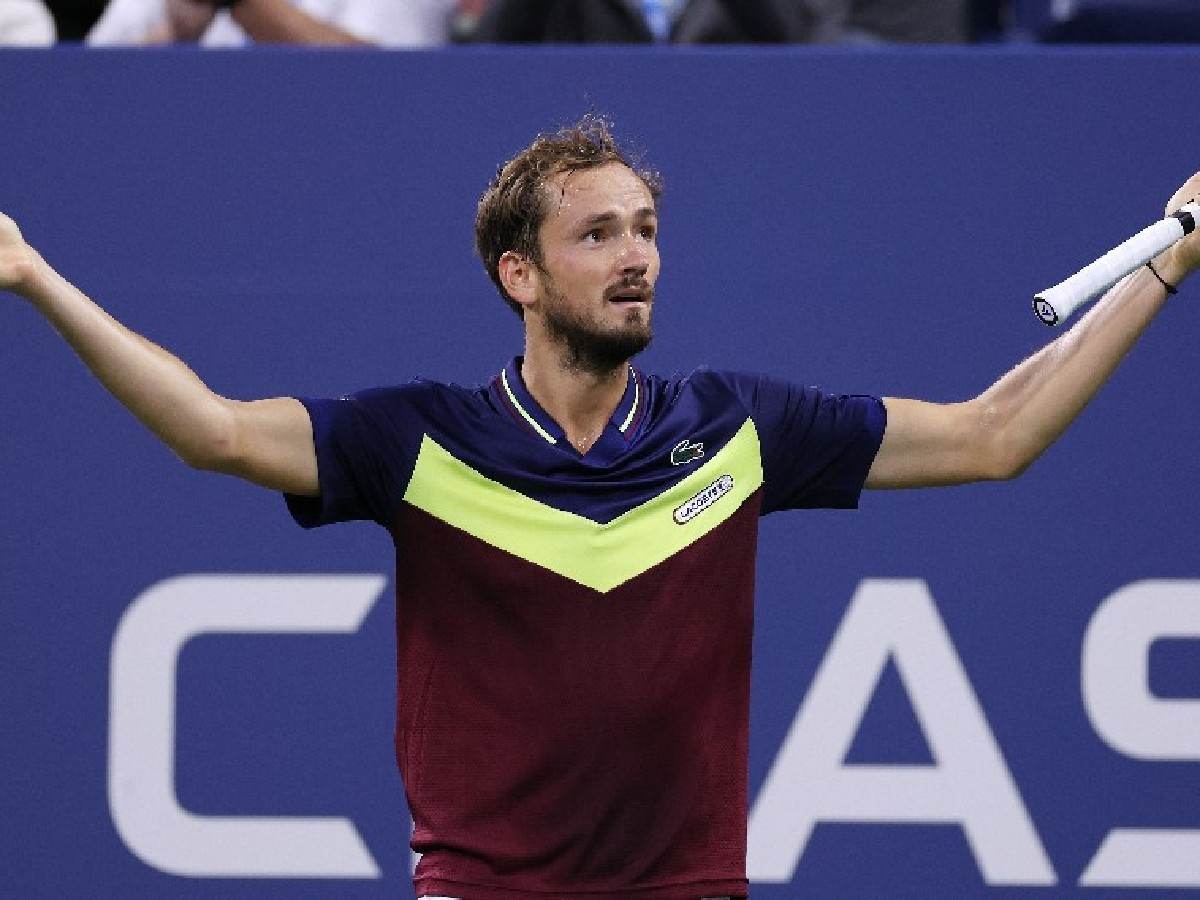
(599,265)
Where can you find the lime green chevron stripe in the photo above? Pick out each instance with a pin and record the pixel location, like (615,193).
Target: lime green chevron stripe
(597,556)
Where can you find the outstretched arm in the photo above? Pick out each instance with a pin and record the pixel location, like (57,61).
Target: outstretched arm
(1003,430)
(267,442)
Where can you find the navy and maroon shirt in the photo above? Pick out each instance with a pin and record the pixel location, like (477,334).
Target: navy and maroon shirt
(574,630)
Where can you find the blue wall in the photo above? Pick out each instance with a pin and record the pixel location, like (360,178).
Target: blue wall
(295,222)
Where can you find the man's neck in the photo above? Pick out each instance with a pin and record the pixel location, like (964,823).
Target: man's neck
(580,402)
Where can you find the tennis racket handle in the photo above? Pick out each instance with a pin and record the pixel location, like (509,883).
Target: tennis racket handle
(1055,305)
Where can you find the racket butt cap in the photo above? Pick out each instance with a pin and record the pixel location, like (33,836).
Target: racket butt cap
(1044,311)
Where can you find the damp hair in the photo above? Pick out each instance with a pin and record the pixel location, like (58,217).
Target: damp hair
(515,204)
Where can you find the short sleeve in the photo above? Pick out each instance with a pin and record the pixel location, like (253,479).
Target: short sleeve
(817,448)
(366,447)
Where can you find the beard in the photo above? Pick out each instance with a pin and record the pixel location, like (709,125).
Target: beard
(589,346)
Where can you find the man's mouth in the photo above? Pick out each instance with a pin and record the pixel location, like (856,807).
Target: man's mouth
(630,295)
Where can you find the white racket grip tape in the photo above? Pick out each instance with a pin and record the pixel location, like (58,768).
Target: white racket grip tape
(1055,305)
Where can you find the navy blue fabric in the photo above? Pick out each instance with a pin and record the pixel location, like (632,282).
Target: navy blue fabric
(366,446)
(816,448)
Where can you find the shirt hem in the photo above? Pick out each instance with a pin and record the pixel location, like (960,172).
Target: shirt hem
(688,890)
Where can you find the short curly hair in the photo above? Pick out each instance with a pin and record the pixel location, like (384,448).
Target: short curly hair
(513,207)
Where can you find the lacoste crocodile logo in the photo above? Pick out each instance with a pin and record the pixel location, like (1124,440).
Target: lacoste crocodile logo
(685,452)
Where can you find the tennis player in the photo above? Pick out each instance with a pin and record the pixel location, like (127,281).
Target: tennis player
(575,538)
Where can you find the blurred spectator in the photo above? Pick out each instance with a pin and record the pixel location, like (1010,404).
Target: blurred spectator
(640,21)
(725,21)
(1109,21)
(74,18)
(988,20)
(385,23)
(25,23)
(875,21)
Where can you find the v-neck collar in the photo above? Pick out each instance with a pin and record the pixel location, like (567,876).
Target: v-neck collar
(622,423)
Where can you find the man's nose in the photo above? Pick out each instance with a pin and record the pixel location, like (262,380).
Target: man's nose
(635,259)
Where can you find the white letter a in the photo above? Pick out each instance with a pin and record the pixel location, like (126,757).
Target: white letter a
(969,785)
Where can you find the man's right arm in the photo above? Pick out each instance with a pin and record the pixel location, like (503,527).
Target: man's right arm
(267,442)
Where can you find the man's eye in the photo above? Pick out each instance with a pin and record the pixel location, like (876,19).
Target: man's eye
(648,232)
(595,234)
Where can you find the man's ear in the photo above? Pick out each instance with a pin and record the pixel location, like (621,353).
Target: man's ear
(519,276)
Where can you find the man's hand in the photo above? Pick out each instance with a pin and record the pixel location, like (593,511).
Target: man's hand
(18,261)
(1178,261)
(1004,429)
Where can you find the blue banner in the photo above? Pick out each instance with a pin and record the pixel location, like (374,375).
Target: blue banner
(991,690)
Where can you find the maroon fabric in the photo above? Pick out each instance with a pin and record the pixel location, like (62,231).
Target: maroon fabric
(559,741)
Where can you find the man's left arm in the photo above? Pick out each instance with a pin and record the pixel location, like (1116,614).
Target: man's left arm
(1003,430)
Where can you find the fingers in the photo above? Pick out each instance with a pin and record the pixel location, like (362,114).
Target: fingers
(9,232)
(1188,192)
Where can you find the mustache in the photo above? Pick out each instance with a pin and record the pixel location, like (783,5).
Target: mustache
(631,283)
